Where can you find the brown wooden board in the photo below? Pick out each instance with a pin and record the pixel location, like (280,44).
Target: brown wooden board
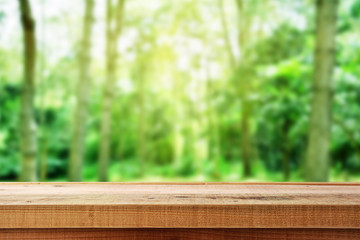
(210,205)
(178,233)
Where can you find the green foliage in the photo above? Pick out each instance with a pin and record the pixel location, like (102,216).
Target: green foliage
(286,42)
(173,59)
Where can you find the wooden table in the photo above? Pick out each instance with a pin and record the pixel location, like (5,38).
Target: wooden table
(179,211)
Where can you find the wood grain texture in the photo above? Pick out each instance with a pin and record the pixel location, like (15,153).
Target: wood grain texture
(178,234)
(117,205)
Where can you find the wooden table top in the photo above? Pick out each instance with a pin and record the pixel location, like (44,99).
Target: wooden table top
(180,205)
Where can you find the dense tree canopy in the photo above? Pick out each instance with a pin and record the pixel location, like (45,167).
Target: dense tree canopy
(190,90)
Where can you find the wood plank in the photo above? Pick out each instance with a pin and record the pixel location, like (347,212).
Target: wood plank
(169,194)
(211,205)
(188,234)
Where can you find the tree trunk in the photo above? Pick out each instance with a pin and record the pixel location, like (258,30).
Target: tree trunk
(286,150)
(245,88)
(244,81)
(83,88)
(213,128)
(44,155)
(142,129)
(246,152)
(178,138)
(27,119)
(112,36)
(44,129)
(317,156)
(231,55)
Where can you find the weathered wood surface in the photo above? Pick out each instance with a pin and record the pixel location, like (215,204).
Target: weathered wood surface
(210,205)
(179,234)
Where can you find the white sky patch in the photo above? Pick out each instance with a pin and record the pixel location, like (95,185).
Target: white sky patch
(183,63)
(127,39)
(195,46)
(202,74)
(10,27)
(214,70)
(294,18)
(125,85)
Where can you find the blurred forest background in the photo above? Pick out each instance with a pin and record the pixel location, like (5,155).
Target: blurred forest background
(190,90)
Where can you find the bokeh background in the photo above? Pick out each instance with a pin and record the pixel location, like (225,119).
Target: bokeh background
(190,90)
